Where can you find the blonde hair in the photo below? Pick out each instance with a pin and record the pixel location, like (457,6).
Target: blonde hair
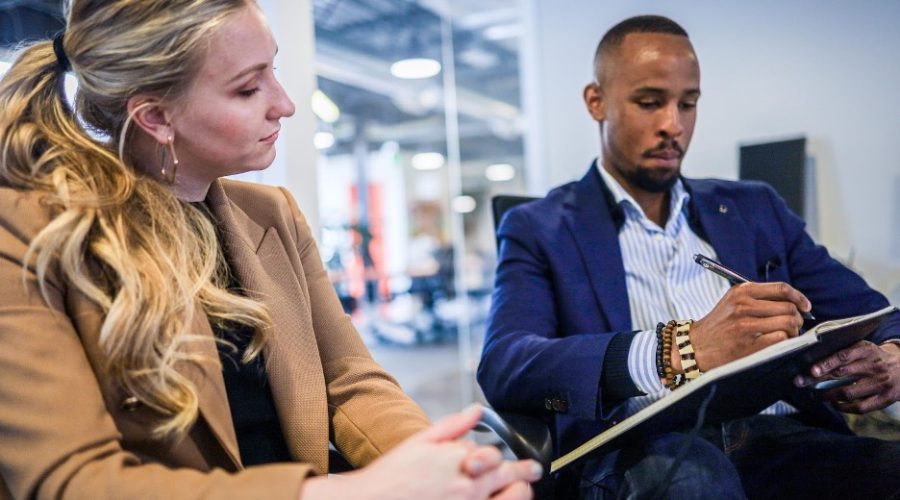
(120,237)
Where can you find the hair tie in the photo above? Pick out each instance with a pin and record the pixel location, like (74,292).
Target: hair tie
(62,61)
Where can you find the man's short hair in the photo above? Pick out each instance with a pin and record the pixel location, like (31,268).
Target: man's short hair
(637,24)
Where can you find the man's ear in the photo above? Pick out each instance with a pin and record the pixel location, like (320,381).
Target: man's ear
(149,113)
(594,101)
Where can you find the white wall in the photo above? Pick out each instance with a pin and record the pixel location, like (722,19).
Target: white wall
(826,69)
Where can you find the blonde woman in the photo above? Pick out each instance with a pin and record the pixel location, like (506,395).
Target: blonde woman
(169,334)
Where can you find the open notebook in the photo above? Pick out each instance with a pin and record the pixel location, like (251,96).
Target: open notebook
(743,387)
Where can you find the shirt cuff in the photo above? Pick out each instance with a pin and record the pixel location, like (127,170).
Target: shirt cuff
(642,362)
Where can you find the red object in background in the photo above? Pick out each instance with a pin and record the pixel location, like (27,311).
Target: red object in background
(356,272)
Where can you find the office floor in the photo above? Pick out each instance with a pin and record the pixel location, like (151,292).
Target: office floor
(431,374)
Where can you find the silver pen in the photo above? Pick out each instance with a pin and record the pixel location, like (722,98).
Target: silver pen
(733,277)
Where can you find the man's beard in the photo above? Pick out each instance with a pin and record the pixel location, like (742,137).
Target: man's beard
(652,180)
(656,180)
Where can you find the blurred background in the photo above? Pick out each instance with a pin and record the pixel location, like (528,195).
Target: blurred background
(412,114)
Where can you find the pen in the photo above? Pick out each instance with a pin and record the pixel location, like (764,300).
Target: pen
(732,277)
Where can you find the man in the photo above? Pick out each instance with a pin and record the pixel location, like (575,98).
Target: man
(587,273)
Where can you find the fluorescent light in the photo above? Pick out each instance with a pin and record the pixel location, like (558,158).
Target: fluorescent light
(324,107)
(500,172)
(503,32)
(323,140)
(463,204)
(427,161)
(415,68)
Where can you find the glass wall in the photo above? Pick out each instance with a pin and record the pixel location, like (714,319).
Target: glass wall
(419,124)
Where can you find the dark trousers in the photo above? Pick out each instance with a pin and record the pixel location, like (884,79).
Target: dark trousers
(756,457)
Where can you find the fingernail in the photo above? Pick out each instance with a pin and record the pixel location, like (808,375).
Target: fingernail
(472,410)
(816,371)
(476,466)
(800,381)
(537,471)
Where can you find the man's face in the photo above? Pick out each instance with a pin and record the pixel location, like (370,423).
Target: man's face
(646,102)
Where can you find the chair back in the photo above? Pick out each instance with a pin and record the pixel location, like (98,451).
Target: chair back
(499,206)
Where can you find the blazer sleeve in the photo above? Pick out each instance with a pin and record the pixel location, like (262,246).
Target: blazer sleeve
(528,365)
(369,412)
(57,439)
(834,290)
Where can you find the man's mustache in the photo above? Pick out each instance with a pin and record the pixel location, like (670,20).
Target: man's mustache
(664,146)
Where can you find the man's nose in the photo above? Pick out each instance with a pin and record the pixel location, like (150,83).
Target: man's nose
(670,124)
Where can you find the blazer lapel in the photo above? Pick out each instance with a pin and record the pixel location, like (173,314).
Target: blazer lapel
(593,228)
(210,385)
(725,226)
(260,260)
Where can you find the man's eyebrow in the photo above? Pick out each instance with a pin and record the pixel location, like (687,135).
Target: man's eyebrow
(649,90)
(660,91)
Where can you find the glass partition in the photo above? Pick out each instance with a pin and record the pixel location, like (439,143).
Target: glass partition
(419,125)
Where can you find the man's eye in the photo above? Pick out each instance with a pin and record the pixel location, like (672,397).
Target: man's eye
(648,104)
(688,105)
(249,92)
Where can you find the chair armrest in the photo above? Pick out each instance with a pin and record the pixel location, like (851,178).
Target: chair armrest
(527,436)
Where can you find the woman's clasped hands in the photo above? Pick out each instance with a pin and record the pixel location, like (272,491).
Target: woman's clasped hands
(435,464)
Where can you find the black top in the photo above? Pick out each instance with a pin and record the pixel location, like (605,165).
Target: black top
(256,423)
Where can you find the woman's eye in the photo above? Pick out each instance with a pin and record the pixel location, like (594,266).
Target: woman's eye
(249,92)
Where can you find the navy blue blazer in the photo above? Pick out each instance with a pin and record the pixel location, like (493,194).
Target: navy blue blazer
(560,294)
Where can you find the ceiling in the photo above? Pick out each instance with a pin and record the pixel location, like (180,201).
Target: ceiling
(357,40)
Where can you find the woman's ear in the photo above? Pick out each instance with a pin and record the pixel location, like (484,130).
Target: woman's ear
(593,100)
(152,116)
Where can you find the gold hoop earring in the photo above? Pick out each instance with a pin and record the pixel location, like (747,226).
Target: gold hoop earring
(164,153)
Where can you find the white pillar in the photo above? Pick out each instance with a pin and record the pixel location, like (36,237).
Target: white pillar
(295,167)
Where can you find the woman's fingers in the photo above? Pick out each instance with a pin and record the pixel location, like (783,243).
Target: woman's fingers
(482,459)
(451,427)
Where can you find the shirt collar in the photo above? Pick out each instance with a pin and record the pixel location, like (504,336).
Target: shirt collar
(678,201)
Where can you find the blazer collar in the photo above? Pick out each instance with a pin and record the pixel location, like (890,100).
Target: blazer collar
(260,259)
(594,220)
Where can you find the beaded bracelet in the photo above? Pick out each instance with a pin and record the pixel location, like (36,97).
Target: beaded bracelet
(672,380)
(660,352)
(686,349)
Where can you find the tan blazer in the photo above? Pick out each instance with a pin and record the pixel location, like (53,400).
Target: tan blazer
(65,432)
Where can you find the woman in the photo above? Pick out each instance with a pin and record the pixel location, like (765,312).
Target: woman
(169,334)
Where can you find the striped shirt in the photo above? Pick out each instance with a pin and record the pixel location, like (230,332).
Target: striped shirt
(663,283)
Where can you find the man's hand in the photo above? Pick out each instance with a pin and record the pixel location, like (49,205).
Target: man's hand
(749,317)
(876,370)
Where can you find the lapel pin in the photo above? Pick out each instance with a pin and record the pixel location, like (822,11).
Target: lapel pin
(723,209)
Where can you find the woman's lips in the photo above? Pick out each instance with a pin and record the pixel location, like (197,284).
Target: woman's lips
(270,138)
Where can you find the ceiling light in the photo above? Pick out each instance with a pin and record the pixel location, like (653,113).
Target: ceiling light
(463,204)
(323,140)
(324,107)
(427,161)
(500,172)
(415,68)
(503,32)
